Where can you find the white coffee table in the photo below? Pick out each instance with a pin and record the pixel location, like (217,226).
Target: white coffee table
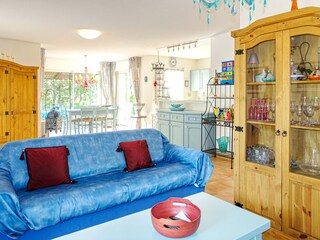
(219,221)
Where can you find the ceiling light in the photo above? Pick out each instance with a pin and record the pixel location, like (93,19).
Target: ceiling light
(85,80)
(89,33)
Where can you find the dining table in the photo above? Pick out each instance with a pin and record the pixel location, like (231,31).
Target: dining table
(77,114)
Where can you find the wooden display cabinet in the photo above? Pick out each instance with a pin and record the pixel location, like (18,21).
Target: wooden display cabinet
(277,138)
(19,102)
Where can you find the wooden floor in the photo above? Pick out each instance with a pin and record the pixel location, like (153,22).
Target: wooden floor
(221,185)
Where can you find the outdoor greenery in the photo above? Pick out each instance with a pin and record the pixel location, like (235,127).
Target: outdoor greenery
(58,91)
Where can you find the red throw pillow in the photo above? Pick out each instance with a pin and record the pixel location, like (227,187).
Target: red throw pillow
(136,154)
(47,166)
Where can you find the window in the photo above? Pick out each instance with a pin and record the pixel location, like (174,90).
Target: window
(125,98)
(61,91)
(175,80)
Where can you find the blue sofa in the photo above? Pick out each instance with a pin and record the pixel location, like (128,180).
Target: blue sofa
(101,182)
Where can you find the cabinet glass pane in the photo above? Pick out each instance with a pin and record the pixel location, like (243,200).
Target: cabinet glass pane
(305,105)
(261,62)
(261,104)
(261,144)
(304,57)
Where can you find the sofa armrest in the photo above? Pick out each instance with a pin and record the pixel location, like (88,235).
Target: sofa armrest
(11,223)
(196,159)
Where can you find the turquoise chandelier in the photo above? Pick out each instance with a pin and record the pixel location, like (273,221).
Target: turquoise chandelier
(214,4)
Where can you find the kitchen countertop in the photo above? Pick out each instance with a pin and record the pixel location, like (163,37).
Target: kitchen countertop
(181,112)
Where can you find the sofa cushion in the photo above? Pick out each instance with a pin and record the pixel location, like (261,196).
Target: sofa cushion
(136,154)
(49,206)
(47,167)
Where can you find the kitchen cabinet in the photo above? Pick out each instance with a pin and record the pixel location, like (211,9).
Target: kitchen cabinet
(277,162)
(199,79)
(19,102)
(181,128)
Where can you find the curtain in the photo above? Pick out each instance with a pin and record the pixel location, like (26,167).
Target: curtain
(107,82)
(135,72)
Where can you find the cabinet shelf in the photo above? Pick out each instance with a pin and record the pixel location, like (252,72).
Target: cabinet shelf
(305,81)
(260,83)
(266,123)
(314,128)
(298,172)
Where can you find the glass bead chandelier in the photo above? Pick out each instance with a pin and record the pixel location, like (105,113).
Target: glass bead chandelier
(214,4)
(85,80)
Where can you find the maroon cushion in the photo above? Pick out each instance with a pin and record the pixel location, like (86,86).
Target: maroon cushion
(136,154)
(47,166)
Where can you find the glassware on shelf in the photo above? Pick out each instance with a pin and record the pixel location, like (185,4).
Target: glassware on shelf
(300,114)
(272,107)
(259,109)
(304,102)
(293,109)
(309,112)
(311,162)
(269,77)
(260,154)
(316,107)
(251,109)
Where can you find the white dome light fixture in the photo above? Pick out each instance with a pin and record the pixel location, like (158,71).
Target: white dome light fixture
(89,33)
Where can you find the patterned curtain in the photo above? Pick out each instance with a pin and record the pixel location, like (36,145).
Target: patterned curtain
(135,71)
(108,80)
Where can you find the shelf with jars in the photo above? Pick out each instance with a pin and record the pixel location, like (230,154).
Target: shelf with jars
(217,120)
(277,99)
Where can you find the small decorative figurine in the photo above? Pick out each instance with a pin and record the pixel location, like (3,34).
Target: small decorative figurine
(294,5)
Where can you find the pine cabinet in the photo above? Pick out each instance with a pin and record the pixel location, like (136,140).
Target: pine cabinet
(19,102)
(277,92)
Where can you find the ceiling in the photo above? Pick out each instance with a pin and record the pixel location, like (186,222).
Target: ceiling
(129,27)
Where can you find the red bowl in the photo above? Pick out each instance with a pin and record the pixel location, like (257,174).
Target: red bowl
(164,221)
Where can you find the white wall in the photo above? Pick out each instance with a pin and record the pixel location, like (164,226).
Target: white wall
(273,7)
(71,65)
(222,49)
(24,53)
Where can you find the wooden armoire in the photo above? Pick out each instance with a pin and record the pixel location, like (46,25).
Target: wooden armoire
(19,102)
(277,120)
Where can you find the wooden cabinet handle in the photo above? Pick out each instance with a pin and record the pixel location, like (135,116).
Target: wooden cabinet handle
(278,132)
(284,133)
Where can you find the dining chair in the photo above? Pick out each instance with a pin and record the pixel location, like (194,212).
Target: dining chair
(112,118)
(101,119)
(87,119)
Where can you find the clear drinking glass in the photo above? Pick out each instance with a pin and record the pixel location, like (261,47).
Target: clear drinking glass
(299,114)
(309,112)
(316,107)
(293,109)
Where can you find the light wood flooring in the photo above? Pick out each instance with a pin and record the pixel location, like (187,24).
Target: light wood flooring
(221,185)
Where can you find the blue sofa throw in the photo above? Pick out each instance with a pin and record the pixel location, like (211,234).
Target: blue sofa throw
(98,168)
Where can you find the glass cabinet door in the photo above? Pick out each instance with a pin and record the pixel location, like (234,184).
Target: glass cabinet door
(305,105)
(261,104)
